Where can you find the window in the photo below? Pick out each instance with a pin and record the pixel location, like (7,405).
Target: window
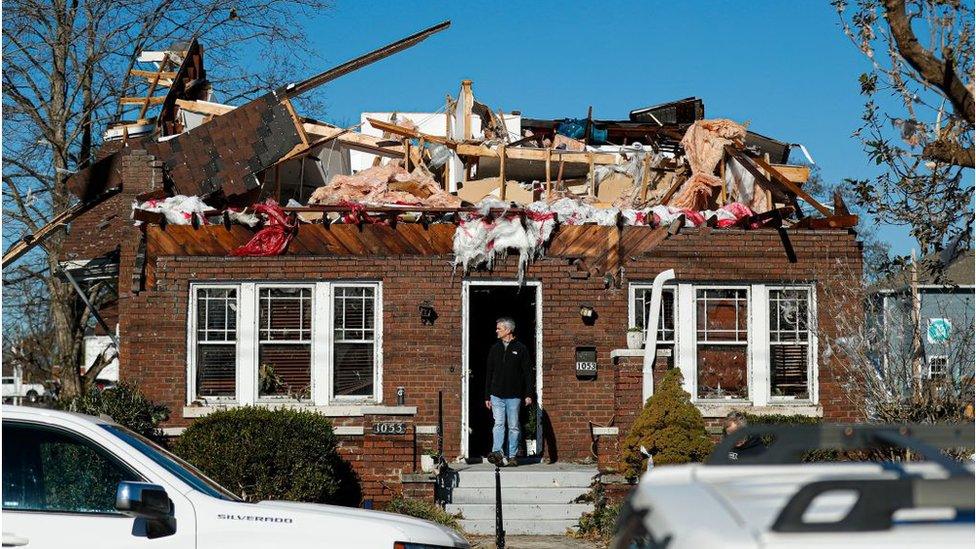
(640,308)
(285,342)
(353,343)
(722,343)
(938,367)
(50,470)
(789,343)
(216,342)
(306,342)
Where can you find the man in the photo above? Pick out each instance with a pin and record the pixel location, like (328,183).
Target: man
(509,382)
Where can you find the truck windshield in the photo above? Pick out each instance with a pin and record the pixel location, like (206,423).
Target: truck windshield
(186,472)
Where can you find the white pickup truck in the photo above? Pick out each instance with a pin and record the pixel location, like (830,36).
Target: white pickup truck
(15,390)
(762,495)
(71,480)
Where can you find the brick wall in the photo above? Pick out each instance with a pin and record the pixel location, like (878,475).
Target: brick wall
(103,228)
(424,359)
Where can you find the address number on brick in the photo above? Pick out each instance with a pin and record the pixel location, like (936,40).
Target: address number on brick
(389,428)
(586,366)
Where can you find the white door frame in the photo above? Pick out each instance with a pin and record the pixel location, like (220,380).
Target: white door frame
(465,330)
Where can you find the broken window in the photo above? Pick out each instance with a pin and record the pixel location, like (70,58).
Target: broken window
(789,343)
(723,343)
(354,340)
(285,342)
(216,342)
(641,308)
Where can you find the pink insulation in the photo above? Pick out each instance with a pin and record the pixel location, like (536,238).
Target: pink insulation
(704,145)
(389,184)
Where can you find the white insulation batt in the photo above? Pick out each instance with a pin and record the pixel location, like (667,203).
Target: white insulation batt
(480,238)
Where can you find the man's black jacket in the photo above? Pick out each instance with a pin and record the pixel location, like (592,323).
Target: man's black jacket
(510,371)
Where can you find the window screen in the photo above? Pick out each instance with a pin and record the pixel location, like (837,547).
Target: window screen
(722,349)
(354,340)
(789,343)
(216,342)
(285,342)
(642,308)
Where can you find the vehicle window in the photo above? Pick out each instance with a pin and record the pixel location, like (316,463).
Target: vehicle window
(176,466)
(47,469)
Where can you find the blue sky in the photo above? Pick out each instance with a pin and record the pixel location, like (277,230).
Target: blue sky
(785,67)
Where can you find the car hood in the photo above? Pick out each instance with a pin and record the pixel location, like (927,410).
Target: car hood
(412,529)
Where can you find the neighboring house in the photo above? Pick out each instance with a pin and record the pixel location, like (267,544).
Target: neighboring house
(945,312)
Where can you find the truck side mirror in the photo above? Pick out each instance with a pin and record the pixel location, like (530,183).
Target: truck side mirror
(149,502)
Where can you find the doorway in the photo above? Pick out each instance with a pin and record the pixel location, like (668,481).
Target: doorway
(485,302)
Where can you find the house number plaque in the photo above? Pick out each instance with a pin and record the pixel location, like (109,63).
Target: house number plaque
(389,428)
(586,362)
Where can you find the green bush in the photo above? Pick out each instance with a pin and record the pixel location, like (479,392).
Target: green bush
(424,510)
(600,524)
(670,427)
(271,454)
(124,404)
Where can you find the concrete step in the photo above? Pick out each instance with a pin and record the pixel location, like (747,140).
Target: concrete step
(539,478)
(517,495)
(519,527)
(522,511)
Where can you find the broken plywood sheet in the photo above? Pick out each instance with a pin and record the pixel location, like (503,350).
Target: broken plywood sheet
(476,190)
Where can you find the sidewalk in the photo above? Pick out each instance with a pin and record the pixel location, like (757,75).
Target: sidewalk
(533,542)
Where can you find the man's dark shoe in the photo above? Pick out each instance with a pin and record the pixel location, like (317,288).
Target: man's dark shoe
(496,458)
(511,462)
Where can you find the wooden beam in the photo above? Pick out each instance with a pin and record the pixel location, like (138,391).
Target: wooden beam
(467,103)
(408,132)
(829,222)
(526,153)
(299,126)
(164,75)
(158,100)
(796,174)
(204,107)
(784,181)
(363,60)
(501,171)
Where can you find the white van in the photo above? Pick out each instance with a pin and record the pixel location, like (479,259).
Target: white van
(71,480)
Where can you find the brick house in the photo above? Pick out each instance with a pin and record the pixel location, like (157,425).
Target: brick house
(349,340)
(371,324)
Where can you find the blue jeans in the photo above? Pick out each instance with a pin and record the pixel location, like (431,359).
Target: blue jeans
(502,409)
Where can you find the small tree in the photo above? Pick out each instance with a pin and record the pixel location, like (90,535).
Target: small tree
(670,428)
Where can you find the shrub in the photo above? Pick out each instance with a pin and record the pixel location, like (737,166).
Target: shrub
(670,427)
(124,404)
(271,454)
(424,510)
(600,524)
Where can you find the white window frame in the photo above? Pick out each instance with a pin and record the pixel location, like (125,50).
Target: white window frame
(632,307)
(928,366)
(191,343)
(811,344)
(248,308)
(748,343)
(757,344)
(257,397)
(377,342)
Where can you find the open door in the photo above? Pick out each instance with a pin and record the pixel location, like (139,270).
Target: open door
(488,302)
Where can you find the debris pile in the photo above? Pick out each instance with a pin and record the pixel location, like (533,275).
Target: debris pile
(507,181)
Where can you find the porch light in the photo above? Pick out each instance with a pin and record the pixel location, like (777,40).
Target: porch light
(587,313)
(427,313)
